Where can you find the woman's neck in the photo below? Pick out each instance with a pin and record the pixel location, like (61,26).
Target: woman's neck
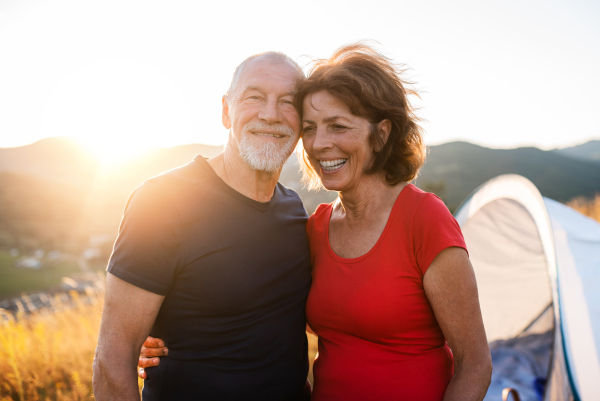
(372,196)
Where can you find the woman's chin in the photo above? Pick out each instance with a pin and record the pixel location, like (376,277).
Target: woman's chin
(332,185)
(336,180)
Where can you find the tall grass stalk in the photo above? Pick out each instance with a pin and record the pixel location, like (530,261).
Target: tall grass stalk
(48,355)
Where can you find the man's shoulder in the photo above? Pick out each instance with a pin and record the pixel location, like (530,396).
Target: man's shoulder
(290,195)
(288,192)
(172,182)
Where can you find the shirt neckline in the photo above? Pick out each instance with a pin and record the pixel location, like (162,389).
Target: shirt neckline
(262,206)
(396,206)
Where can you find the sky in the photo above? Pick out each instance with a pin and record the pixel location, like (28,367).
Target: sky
(127,75)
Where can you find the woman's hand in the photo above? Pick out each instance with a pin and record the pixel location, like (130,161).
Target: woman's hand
(151,350)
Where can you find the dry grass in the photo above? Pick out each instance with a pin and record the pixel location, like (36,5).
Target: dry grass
(588,207)
(48,355)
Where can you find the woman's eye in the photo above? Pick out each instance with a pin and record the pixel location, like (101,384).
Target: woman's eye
(308,130)
(337,127)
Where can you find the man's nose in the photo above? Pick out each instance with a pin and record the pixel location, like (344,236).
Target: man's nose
(270,113)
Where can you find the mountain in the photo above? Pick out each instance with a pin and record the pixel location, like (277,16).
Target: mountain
(54,193)
(462,167)
(64,160)
(59,159)
(589,151)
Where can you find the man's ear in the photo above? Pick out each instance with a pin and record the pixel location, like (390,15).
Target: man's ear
(225,113)
(384,127)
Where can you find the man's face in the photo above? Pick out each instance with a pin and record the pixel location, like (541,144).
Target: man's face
(264,124)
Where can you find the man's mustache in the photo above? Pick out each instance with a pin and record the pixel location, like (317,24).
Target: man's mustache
(259,126)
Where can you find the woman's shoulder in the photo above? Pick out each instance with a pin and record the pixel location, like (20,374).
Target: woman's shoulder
(319,217)
(321,212)
(418,200)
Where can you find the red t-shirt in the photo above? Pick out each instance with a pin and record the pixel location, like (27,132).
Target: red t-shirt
(378,336)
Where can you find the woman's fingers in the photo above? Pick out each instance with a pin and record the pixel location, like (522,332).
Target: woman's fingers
(151,352)
(148,362)
(152,342)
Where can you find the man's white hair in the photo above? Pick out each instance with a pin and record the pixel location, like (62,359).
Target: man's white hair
(270,55)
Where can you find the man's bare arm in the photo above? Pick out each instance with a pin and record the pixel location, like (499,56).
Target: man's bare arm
(129,313)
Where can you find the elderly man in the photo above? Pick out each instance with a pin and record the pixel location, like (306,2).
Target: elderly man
(213,258)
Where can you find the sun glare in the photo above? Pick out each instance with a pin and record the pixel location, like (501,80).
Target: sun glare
(118,109)
(114,151)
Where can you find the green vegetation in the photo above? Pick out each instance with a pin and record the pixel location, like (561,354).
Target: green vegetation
(462,167)
(16,280)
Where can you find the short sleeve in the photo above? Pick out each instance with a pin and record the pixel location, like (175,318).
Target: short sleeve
(147,250)
(433,230)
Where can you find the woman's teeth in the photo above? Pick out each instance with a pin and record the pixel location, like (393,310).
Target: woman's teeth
(331,165)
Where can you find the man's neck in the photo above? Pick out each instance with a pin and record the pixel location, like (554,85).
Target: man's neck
(256,185)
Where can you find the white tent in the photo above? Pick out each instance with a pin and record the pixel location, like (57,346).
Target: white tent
(537,264)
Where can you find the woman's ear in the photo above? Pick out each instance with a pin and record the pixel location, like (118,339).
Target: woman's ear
(225,113)
(384,127)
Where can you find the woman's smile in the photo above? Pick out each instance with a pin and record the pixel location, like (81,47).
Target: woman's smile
(332,166)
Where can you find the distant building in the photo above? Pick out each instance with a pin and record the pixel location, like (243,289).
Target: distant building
(28,262)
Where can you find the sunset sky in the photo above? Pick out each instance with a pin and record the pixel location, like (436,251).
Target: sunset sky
(127,75)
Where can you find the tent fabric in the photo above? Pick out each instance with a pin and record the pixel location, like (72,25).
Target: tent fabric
(537,264)
(577,244)
(511,268)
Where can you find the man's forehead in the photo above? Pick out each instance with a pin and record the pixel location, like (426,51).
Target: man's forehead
(263,71)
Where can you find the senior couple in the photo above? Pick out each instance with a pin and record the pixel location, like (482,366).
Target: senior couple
(221,265)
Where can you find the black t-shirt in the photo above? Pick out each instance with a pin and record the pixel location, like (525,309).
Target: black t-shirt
(235,274)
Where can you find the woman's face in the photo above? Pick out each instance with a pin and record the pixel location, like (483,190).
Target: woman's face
(336,141)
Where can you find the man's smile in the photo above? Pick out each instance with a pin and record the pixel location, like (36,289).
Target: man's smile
(268,134)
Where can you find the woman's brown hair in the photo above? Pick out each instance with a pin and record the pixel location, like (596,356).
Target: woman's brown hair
(370,85)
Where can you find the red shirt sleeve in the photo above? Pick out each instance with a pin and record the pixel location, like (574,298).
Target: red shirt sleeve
(433,230)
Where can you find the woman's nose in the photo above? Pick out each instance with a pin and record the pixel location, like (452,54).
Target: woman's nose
(321,140)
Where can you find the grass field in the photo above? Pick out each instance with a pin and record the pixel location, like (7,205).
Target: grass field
(48,356)
(16,280)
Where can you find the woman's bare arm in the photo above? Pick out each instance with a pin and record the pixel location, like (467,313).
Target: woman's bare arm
(451,288)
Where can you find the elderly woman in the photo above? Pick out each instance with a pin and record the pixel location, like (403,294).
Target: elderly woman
(392,281)
(393,298)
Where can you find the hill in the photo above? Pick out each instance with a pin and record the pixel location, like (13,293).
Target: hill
(53,193)
(54,159)
(589,151)
(462,167)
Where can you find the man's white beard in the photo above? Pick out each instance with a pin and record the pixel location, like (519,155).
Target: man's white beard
(266,156)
